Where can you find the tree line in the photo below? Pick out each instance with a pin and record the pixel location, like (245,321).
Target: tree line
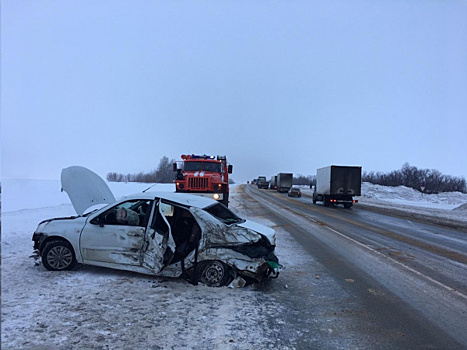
(304,180)
(162,174)
(424,180)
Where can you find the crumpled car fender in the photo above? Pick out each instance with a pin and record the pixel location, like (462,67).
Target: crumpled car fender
(217,233)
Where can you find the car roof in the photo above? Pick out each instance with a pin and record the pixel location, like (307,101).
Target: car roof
(189,200)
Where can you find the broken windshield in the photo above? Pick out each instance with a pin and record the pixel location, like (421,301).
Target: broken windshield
(219,211)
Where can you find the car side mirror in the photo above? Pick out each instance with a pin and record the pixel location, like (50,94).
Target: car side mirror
(98,220)
(174,167)
(230,169)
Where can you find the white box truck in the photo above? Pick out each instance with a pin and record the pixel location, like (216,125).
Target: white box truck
(338,185)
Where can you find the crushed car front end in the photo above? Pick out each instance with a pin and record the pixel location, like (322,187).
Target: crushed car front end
(247,247)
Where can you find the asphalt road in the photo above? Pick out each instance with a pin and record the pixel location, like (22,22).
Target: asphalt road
(372,281)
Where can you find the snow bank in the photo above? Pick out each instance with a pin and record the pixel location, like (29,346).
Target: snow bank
(408,196)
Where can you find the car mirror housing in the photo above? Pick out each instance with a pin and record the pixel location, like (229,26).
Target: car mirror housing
(98,220)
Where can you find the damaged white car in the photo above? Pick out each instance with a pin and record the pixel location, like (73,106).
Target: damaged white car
(163,234)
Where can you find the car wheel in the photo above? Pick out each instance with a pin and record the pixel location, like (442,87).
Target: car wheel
(214,273)
(58,256)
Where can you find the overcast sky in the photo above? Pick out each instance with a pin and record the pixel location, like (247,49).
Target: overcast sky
(276,86)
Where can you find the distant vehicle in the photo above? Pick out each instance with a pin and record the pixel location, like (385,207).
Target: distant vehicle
(205,176)
(262,182)
(338,185)
(294,192)
(273,183)
(284,182)
(157,233)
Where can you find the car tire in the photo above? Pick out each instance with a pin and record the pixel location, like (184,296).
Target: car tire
(213,273)
(58,255)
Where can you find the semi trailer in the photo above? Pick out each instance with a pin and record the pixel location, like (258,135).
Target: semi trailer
(273,183)
(284,182)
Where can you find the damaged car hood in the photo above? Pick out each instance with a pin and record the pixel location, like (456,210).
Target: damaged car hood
(266,231)
(85,188)
(217,233)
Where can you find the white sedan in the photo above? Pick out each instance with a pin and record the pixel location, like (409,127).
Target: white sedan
(165,234)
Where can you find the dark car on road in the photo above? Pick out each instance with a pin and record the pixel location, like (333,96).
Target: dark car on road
(294,192)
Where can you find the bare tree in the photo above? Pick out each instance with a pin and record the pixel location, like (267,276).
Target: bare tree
(163,174)
(430,181)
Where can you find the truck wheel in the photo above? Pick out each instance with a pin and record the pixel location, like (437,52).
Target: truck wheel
(347,205)
(326,201)
(213,273)
(58,255)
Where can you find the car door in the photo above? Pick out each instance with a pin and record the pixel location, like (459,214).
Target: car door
(117,235)
(159,244)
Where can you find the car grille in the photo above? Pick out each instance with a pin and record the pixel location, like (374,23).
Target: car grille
(198,183)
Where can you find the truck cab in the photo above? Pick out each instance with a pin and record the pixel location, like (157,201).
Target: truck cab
(262,182)
(203,175)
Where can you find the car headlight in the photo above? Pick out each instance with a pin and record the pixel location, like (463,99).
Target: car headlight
(216,196)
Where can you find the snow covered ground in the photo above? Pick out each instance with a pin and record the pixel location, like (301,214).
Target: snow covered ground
(96,308)
(450,206)
(401,195)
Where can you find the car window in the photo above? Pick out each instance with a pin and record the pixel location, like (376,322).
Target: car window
(167,209)
(158,223)
(184,229)
(185,232)
(222,213)
(130,213)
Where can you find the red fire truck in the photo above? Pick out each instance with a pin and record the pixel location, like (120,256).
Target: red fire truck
(204,175)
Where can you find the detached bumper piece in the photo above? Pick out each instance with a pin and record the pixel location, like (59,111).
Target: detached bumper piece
(274,267)
(36,255)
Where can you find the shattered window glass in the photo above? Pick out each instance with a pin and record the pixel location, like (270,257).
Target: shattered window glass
(223,214)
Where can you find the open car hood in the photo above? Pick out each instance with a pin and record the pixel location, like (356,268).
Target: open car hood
(85,188)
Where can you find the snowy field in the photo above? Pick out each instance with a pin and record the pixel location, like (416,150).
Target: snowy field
(97,308)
